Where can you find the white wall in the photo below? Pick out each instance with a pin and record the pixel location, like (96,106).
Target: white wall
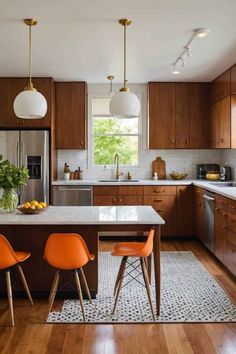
(176,160)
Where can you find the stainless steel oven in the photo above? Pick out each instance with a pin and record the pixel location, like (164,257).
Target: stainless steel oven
(209,198)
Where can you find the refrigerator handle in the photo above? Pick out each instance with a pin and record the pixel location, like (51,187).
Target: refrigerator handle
(21,153)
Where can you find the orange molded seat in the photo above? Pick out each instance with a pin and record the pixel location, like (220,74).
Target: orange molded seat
(8,259)
(68,251)
(133,249)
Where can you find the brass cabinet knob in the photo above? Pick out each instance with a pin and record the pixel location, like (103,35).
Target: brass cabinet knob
(187,141)
(172,141)
(81,143)
(120,200)
(114,200)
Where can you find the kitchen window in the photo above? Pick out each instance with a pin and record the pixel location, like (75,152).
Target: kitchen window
(112,135)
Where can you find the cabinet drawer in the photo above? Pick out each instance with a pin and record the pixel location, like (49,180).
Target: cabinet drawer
(105,190)
(157,190)
(104,200)
(199,191)
(130,190)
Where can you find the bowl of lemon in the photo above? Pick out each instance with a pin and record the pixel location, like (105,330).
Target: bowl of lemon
(33,207)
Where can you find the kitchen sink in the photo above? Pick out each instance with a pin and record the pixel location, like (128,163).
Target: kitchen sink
(223,184)
(118,180)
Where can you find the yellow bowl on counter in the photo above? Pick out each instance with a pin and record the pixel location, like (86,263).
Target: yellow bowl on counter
(213,176)
(178,175)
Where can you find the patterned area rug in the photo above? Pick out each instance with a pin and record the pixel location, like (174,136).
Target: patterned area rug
(188,294)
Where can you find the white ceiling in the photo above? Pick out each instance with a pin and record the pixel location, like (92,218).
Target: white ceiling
(82,40)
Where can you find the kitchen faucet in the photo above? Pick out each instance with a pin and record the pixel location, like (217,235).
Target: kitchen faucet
(116,161)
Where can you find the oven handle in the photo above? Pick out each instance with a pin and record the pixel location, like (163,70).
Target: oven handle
(75,189)
(208,198)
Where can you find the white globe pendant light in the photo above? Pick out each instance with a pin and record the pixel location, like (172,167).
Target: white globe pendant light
(124,104)
(30,104)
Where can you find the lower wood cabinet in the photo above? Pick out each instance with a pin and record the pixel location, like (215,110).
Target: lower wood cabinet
(221,228)
(118,195)
(200,213)
(185,211)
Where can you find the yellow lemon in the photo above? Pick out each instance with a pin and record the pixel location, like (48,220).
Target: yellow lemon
(26,205)
(38,206)
(34,203)
(44,205)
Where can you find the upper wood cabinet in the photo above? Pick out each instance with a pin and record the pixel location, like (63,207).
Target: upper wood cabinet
(182,115)
(233,79)
(220,123)
(161,115)
(199,115)
(220,88)
(71,120)
(9,89)
(179,115)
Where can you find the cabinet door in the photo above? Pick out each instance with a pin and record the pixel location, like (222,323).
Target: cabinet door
(46,87)
(220,249)
(71,120)
(8,93)
(161,115)
(130,200)
(233,79)
(220,88)
(182,115)
(185,211)
(200,218)
(104,200)
(199,115)
(214,113)
(224,123)
(231,251)
(130,190)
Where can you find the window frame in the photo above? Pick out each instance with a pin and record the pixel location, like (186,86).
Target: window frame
(91,164)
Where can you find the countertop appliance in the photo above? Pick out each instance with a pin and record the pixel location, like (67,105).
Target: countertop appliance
(203,168)
(29,148)
(225,173)
(72,195)
(209,201)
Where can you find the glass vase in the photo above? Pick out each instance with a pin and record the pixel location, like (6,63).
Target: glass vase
(9,200)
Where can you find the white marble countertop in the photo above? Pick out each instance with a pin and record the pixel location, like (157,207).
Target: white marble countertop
(141,182)
(229,192)
(87,215)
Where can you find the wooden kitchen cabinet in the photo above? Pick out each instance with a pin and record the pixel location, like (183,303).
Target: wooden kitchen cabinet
(179,115)
(220,247)
(199,113)
(200,213)
(233,79)
(117,195)
(231,237)
(71,115)
(9,89)
(220,87)
(163,200)
(161,115)
(185,211)
(182,115)
(220,123)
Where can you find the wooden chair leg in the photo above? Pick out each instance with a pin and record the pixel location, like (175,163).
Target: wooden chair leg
(53,285)
(53,292)
(85,284)
(148,261)
(24,283)
(120,284)
(79,293)
(9,295)
(146,281)
(118,276)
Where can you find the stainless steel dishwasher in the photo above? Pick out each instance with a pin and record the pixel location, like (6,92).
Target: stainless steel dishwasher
(72,195)
(209,239)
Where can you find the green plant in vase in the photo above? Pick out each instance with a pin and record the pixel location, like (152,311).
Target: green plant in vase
(11,177)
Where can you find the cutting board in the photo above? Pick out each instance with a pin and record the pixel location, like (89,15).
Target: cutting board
(159,166)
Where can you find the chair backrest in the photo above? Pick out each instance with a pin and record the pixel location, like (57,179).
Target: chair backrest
(66,251)
(148,246)
(7,254)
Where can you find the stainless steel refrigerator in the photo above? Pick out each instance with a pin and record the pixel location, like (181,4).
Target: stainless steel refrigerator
(29,148)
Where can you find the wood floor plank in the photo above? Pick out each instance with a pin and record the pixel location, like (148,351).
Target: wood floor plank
(32,336)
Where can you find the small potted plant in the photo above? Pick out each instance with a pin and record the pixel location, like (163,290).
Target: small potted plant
(11,177)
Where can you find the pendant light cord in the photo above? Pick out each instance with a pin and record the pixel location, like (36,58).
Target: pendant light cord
(30,58)
(125,81)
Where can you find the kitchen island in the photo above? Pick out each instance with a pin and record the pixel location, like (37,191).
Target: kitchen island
(30,233)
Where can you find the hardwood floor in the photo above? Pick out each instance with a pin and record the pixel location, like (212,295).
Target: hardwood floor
(31,336)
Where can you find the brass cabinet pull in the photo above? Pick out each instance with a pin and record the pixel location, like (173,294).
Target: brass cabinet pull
(120,200)
(114,200)
(172,141)
(81,143)
(158,191)
(187,141)
(158,200)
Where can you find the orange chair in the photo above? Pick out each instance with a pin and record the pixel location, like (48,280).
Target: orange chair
(67,252)
(8,259)
(133,249)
